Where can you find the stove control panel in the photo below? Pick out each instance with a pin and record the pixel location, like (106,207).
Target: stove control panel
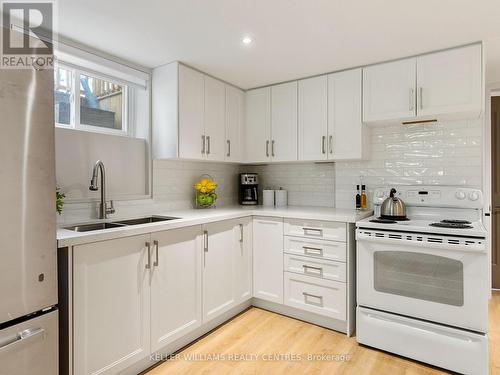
(433,196)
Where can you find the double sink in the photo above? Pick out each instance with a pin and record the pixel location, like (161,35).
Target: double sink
(119,223)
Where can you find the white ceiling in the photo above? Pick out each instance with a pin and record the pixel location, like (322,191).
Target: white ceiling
(293,38)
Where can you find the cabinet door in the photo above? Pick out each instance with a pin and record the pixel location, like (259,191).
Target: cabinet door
(284,122)
(258,125)
(191,113)
(449,82)
(175,285)
(268,259)
(111,305)
(313,118)
(235,120)
(346,133)
(389,91)
(215,113)
(242,255)
(218,295)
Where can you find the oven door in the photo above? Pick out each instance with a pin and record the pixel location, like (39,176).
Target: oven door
(433,281)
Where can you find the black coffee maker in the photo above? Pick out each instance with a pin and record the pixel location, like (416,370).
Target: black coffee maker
(249,183)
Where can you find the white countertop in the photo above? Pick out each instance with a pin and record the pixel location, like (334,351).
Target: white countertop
(196,217)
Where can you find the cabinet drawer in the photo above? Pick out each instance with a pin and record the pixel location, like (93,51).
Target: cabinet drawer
(323,297)
(325,230)
(329,250)
(324,269)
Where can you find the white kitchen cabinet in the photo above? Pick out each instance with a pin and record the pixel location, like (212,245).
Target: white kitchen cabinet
(268,259)
(348,137)
(176,285)
(218,268)
(389,91)
(257,132)
(284,122)
(242,259)
(235,122)
(111,305)
(450,83)
(312,118)
(189,115)
(192,144)
(215,113)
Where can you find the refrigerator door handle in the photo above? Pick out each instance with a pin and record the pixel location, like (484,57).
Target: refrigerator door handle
(21,338)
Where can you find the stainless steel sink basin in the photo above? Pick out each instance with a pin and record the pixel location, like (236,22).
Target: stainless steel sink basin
(146,220)
(94,226)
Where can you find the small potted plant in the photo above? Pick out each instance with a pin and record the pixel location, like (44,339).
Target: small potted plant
(205,192)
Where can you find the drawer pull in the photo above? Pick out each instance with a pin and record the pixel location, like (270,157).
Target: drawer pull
(318,302)
(310,270)
(312,232)
(313,251)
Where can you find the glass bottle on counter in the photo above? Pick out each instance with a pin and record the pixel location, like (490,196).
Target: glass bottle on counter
(363,196)
(358,198)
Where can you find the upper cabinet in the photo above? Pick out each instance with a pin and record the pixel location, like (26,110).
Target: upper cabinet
(389,91)
(449,83)
(348,138)
(235,122)
(313,125)
(271,125)
(190,114)
(437,86)
(257,131)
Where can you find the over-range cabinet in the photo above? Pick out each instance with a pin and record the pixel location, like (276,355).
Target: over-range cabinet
(28,281)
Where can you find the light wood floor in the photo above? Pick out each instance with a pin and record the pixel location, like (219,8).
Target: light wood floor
(259,332)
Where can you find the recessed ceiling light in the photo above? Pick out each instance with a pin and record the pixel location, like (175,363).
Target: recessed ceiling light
(247,40)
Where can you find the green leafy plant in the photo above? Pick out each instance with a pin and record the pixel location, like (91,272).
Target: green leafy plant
(59,200)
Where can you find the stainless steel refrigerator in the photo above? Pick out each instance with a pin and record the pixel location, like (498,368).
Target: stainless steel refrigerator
(28,280)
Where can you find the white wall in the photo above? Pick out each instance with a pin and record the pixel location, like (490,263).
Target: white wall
(173,182)
(308,184)
(445,153)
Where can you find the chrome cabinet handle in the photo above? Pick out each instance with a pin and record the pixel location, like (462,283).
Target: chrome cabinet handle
(148,265)
(205,246)
(318,232)
(241,232)
(323,141)
(157,260)
(23,337)
(421,94)
(412,99)
(272,147)
(267,148)
(309,295)
(330,145)
(202,144)
(312,250)
(208,144)
(318,270)
(228,148)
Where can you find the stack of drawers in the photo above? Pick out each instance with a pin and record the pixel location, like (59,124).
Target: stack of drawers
(315,269)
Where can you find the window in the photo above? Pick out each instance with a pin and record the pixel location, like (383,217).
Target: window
(101,106)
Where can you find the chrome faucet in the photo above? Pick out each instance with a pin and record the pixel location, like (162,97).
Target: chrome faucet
(104,210)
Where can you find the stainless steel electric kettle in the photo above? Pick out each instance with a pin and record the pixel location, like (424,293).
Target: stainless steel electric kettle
(393,208)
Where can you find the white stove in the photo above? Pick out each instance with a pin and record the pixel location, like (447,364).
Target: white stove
(422,283)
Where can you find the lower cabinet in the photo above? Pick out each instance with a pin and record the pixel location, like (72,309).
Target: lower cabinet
(175,285)
(111,305)
(268,259)
(226,266)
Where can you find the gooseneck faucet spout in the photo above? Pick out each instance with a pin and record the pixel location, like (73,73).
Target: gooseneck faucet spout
(104,210)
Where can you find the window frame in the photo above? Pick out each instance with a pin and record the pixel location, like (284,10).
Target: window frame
(75,104)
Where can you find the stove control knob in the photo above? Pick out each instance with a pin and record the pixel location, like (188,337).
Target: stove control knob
(460,195)
(474,195)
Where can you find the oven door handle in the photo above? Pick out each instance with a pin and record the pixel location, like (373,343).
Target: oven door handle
(472,248)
